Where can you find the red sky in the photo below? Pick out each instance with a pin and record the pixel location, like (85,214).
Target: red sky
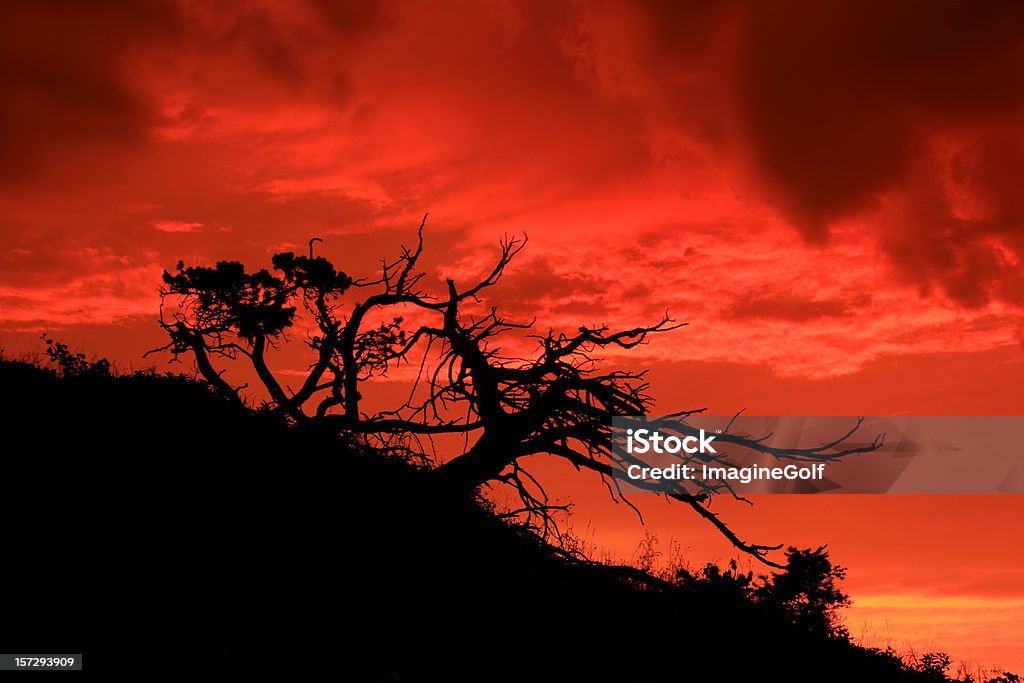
(828,193)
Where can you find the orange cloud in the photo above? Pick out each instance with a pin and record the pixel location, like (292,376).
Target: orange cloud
(176,226)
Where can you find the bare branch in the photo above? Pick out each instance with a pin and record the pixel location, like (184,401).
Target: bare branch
(555,401)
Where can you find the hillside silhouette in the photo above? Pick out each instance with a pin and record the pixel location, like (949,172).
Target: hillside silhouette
(166,531)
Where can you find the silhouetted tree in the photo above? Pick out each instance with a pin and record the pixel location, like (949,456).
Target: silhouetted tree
(935,663)
(807,591)
(557,402)
(71,364)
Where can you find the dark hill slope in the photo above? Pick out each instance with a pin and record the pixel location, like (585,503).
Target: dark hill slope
(169,534)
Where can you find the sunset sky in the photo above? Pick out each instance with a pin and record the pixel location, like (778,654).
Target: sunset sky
(829,193)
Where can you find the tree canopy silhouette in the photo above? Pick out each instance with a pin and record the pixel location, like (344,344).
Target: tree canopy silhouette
(557,402)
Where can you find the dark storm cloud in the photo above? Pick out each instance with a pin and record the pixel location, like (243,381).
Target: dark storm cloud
(83,78)
(846,102)
(839,97)
(63,78)
(903,117)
